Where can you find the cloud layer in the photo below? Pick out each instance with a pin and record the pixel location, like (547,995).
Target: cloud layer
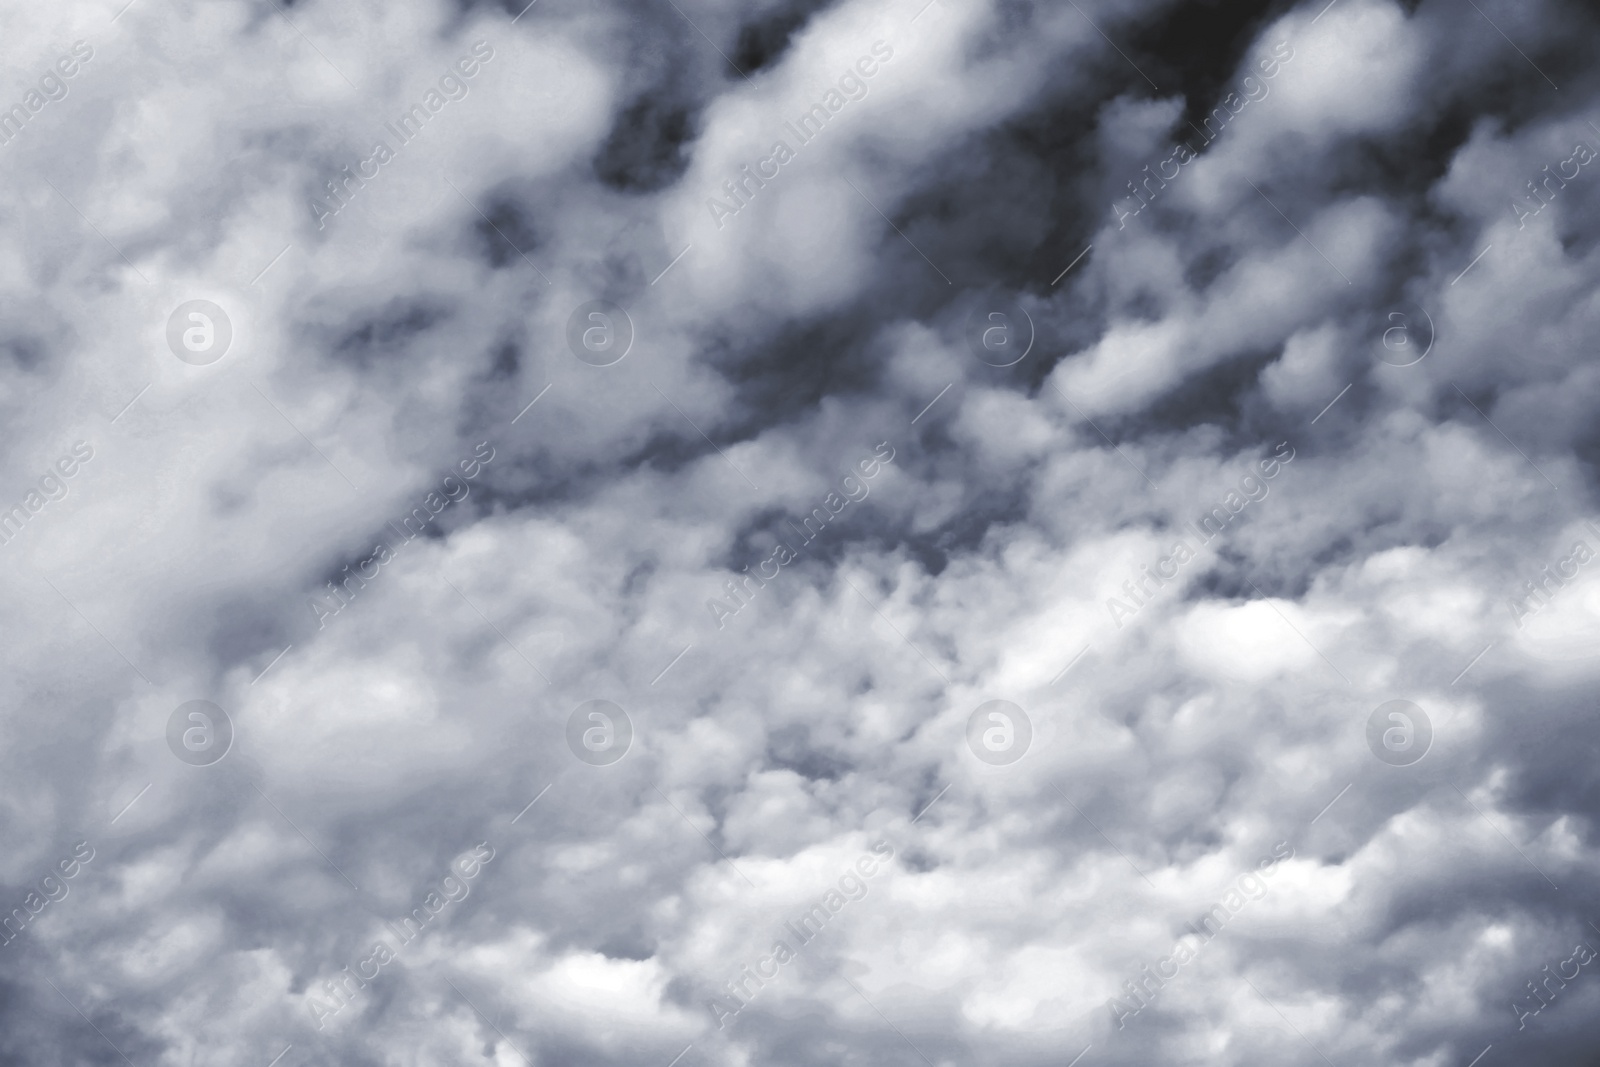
(783,532)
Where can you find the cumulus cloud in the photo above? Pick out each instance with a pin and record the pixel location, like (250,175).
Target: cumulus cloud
(797,532)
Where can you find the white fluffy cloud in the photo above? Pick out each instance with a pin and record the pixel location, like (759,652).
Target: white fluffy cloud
(801,533)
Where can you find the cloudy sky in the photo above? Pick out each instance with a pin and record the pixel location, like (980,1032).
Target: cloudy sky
(707,533)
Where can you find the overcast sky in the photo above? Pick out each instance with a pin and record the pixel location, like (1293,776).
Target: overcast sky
(707,533)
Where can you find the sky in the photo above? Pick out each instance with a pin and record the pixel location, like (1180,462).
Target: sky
(959,533)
